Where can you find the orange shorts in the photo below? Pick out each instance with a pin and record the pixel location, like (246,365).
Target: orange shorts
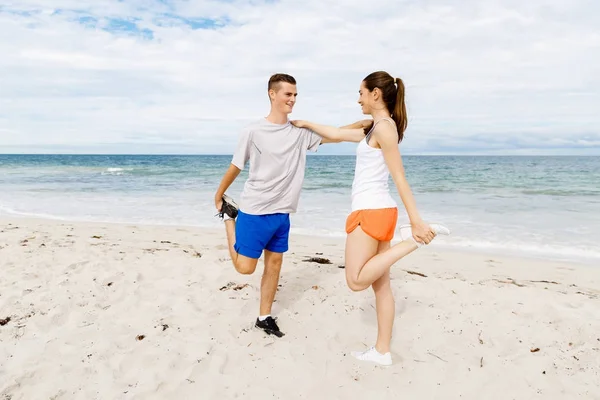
(379,223)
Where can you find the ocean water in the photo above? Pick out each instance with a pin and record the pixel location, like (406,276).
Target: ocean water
(546,207)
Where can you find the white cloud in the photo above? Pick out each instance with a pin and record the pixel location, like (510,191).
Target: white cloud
(493,76)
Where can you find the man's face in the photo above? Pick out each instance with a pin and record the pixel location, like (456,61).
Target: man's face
(283,97)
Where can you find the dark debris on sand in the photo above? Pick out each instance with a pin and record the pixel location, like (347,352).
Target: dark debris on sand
(318,260)
(234,286)
(153,250)
(194,253)
(228,286)
(4,321)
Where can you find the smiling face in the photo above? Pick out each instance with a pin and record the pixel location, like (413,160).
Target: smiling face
(366,98)
(283,97)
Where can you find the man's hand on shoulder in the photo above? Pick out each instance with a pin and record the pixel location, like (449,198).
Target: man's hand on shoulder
(362,124)
(365,123)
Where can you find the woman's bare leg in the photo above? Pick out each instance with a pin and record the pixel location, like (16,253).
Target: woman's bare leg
(385,307)
(360,248)
(364,265)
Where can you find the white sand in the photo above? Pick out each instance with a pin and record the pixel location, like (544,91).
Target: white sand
(77,303)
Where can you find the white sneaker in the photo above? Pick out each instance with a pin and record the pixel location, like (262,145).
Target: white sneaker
(373,355)
(406,231)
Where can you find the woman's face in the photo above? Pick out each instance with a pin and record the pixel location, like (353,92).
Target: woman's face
(365,99)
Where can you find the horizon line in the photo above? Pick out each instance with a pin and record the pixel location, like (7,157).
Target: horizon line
(308,155)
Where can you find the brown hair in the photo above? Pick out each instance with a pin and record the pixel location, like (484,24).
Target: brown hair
(275,79)
(393,97)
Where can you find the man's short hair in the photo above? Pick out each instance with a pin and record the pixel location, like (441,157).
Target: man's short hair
(276,79)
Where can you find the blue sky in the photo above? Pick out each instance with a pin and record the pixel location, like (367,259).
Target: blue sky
(175,76)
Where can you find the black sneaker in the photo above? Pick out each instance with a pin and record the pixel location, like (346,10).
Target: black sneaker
(229,208)
(270,326)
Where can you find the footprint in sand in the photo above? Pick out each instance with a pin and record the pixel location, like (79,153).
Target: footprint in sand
(219,361)
(333,343)
(249,308)
(59,316)
(6,393)
(203,355)
(78,266)
(196,302)
(58,395)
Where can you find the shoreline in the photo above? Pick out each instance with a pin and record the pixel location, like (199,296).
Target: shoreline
(445,247)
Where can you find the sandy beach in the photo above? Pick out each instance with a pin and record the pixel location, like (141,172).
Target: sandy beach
(108,311)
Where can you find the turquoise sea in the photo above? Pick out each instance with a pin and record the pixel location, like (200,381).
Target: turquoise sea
(547,207)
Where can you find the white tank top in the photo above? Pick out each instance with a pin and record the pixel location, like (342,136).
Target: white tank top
(370,189)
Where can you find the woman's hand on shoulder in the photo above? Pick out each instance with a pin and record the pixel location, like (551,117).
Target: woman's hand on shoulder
(298,123)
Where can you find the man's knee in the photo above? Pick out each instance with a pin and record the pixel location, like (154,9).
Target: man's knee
(245,266)
(273,262)
(273,266)
(245,269)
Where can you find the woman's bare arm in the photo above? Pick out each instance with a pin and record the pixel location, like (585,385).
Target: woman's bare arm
(387,137)
(333,134)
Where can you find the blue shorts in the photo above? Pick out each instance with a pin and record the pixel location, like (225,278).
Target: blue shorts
(255,233)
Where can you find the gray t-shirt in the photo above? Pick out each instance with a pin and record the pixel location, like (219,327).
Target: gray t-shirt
(277,156)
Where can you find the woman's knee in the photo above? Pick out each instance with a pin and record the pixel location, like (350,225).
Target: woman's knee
(355,286)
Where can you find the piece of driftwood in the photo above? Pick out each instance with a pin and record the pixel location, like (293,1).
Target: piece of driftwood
(416,273)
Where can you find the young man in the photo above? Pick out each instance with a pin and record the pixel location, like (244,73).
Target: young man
(276,150)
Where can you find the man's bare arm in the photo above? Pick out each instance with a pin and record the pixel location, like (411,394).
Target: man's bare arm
(230,175)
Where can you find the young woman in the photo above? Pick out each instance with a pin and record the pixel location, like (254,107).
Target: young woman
(372,222)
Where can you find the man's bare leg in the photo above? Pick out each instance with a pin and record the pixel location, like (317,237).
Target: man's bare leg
(270,281)
(243,265)
(268,289)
